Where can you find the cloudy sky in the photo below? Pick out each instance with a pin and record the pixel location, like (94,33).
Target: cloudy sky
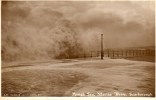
(42,25)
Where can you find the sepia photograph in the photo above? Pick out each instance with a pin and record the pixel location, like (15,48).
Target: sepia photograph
(78,48)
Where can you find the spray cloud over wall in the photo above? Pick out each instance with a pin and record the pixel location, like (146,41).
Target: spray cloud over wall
(44,30)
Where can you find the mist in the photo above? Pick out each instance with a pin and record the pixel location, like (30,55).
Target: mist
(37,30)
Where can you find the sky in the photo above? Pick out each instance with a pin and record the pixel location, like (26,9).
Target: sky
(38,28)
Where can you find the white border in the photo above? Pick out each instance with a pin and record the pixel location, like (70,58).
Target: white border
(73,98)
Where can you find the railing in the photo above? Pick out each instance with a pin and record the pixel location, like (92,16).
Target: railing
(119,53)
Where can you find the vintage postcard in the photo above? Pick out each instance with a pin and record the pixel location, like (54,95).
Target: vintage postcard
(78,48)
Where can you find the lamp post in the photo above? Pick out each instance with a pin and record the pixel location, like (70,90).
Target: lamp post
(101,46)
